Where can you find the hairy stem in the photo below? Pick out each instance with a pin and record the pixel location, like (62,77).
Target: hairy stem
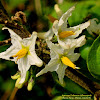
(83,81)
(6,21)
(5,42)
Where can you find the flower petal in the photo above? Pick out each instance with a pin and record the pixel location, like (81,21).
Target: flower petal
(30,41)
(15,39)
(55,27)
(52,66)
(23,66)
(70,43)
(73,57)
(63,20)
(46,35)
(94,27)
(12,50)
(34,59)
(67,43)
(81,41)
(77,29)
(55,48)
(61,72)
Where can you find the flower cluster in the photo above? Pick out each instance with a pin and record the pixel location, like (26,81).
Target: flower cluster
(22,51)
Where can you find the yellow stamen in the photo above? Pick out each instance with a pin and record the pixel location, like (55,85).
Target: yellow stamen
(67,62)
(65,34)
(21,53)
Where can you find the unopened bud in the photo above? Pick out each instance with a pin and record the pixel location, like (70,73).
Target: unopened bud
(30,84)
(16,76)
(17,83)
(58,10)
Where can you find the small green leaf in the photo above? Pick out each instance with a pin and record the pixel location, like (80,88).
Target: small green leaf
(93,59)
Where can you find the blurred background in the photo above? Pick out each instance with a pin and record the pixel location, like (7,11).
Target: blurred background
(37,12)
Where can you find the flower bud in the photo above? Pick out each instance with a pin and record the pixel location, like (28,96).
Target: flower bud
(30,84)
(17,83)
(16,76)
(58,10)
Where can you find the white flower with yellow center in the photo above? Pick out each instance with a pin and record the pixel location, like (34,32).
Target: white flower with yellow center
(66,34)
(22,52)
(60,60)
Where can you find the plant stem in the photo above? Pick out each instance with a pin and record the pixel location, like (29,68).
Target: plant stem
(13,93)
(83,81)
(6,21)
(5,42)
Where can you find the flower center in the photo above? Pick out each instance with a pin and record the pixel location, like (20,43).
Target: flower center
(67,62)
(21,53)
(65,34)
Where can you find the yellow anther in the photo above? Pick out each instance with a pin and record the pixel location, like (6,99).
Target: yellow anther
(65,34)
(67,62)
(21,53)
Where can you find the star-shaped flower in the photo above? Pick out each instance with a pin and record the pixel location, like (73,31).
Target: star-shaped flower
(22,51)
(49,34)
(60,60)
(65,33)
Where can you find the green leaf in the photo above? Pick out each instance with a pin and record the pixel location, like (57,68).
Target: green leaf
(84,50)
(8,85)
(93,60)
(74,87)
(15,3)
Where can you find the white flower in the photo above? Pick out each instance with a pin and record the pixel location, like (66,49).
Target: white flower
(49,34)
(65,33)
(60,60)
(94,27)
(22,51)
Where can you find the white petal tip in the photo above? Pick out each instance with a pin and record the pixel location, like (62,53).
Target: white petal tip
(4,28)
(34,32)
(38,74)
(87,23)
(73,7)
(40,63)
